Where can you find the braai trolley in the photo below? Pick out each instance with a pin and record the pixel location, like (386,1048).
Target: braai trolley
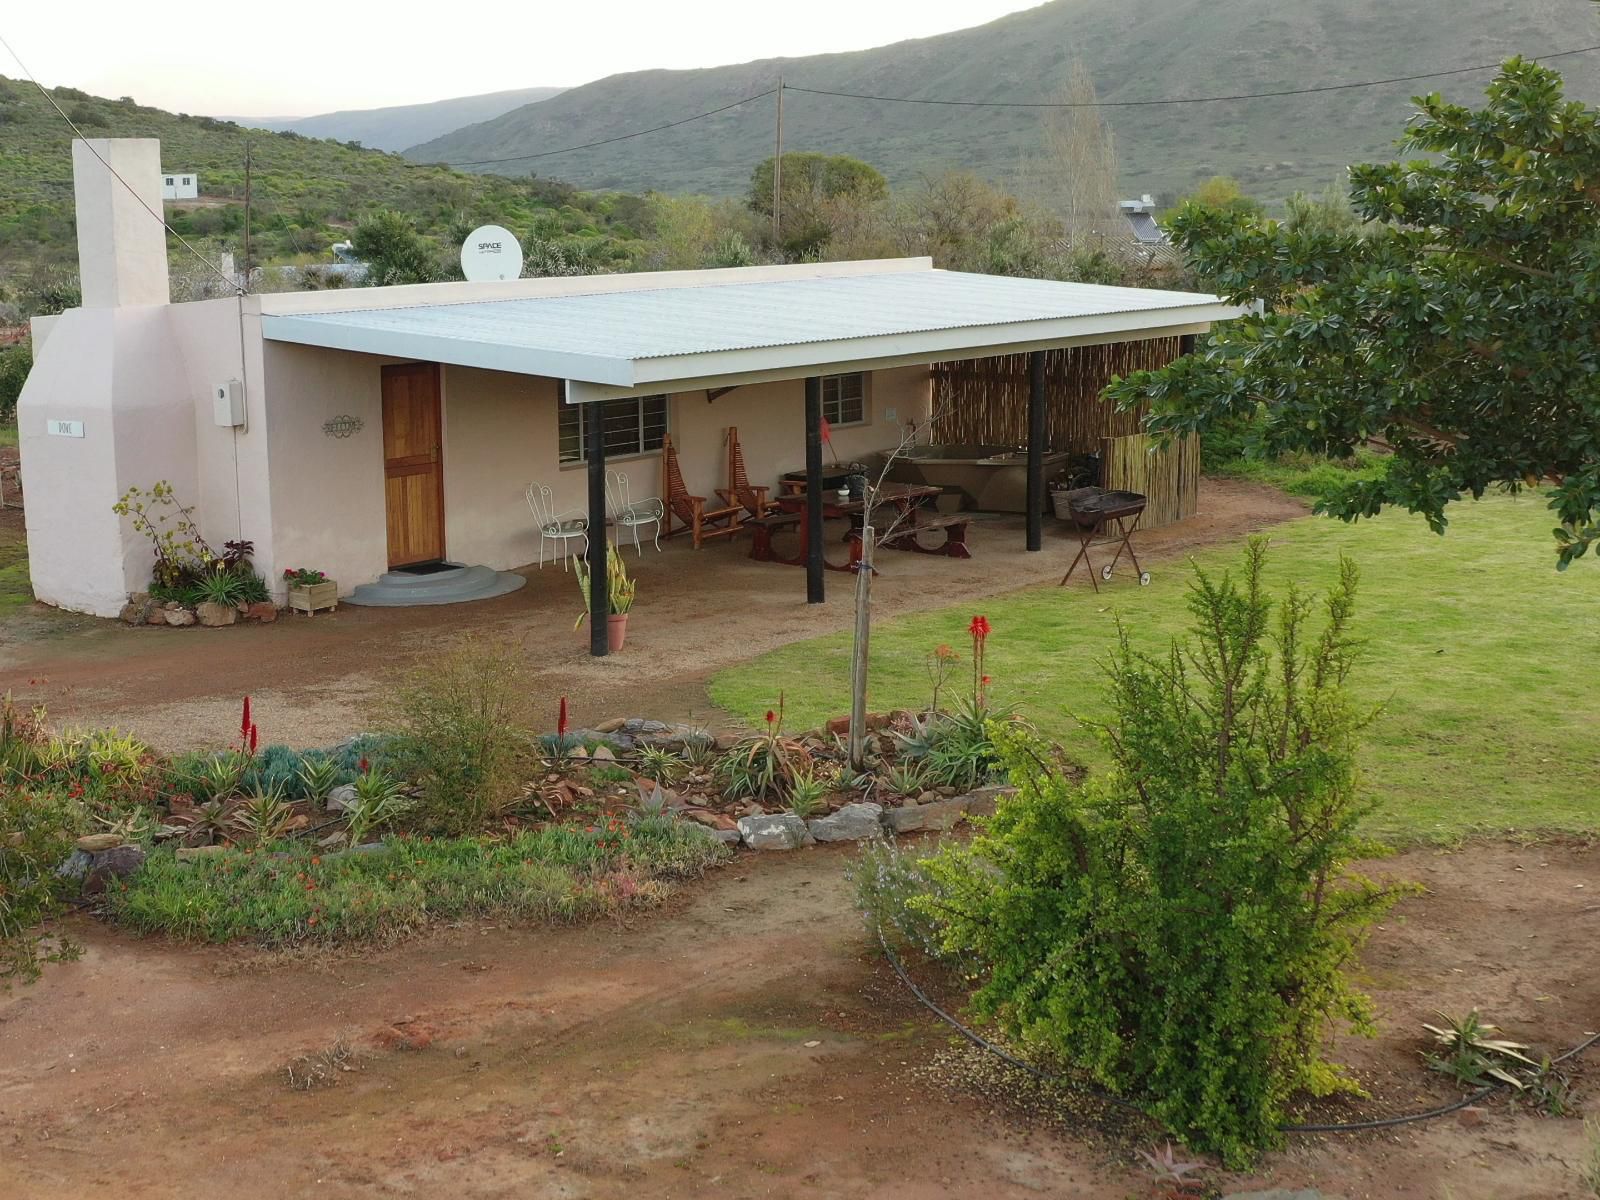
(1102,518)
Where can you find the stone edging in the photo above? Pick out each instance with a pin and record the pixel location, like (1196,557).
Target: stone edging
(856,822)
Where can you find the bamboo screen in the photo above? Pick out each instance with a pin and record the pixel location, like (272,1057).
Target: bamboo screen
(984,401)
(1170,478)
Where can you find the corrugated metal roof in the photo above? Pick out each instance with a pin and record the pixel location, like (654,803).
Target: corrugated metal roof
(603,336)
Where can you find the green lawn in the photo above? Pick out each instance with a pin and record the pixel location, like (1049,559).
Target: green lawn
(15,590)
(1483,655)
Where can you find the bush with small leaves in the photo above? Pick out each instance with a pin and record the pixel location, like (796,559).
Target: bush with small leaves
(1177,927)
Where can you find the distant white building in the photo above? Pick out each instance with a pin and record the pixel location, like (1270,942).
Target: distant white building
(177,186)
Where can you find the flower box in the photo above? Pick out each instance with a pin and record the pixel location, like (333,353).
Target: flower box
(309,597)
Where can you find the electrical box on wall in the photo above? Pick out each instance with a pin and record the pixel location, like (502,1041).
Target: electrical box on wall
(227,401)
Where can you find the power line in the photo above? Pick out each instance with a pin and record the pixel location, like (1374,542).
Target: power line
(1307,91)
(78,133)
(1021,104)
(622,137)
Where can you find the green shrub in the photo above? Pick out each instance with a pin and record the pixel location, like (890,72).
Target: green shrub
(458,739)
(37,828)
(15,363)
(296,894)
(1177,927)
(954,749)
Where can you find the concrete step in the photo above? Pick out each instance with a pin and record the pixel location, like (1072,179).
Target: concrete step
(456,585)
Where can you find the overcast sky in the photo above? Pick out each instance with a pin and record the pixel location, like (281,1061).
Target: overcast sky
(292,58)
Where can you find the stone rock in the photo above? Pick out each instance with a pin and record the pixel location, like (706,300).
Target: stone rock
(711,820)
(726,742)
(95,843)
(341,797)
(984,798)
(93,870)
(364,848)
(728,837)
(851,823)
(774,831)
(75,865)
(839,726)
(927,797)
(214,616)
(111,864)
(611,726)
(946,790)
(604,754)
(190,853)
(177,616)
(264,611)
(137,610)
(940,814)
(1472,1116)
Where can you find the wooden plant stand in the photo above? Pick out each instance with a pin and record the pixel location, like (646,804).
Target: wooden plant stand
(309,598)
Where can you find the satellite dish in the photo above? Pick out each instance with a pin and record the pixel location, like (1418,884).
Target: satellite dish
(491,252)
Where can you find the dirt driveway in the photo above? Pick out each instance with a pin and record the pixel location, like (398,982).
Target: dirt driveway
(745,1042)
(316,680)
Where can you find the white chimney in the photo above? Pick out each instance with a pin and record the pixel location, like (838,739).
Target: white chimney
(122,245)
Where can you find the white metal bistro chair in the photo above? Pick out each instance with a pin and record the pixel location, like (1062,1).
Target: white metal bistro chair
(559,527)
(629,513)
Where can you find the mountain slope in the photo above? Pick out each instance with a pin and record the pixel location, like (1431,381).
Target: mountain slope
(306,193)
(402,125)
(1136,50)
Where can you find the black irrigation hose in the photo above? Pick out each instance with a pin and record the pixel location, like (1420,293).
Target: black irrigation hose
(1010,1059)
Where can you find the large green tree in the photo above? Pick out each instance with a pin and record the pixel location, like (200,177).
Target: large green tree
(393,250)
(818,190)
(1461,328)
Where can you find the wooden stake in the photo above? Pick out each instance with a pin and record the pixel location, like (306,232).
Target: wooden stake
(859,654)
(777,174)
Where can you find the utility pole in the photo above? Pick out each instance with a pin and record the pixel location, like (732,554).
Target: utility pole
(777,173)
(247,214)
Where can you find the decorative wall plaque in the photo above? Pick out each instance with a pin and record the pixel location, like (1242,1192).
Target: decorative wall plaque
(342,426)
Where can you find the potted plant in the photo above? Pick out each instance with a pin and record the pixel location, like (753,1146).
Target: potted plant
(310,590)
(619,589)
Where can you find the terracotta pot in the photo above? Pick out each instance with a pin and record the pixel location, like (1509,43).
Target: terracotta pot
(616,631)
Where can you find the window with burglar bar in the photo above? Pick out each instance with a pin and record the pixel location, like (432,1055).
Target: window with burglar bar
(844,399)
(635,425)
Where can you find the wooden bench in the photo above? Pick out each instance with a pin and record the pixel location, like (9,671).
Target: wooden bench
(762,529)
(955,536)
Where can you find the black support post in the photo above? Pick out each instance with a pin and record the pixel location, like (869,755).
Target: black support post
(594,451)
(1036,450)
(814,490)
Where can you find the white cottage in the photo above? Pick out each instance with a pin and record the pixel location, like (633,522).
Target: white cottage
(373,429)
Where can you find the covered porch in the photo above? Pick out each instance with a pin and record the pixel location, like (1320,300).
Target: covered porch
(779,330)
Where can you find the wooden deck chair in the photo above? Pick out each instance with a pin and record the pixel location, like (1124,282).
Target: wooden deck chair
(689,514)
(740,490)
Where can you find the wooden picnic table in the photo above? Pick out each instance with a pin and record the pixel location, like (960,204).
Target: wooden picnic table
(909,514)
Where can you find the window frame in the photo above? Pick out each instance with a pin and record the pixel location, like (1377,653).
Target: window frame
(581,459)
(839,399)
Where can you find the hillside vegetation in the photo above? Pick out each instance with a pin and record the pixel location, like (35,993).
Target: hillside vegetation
(1135,49)
(402,125)
(306,193)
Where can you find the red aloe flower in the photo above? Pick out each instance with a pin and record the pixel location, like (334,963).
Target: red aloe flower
(253,738)
(771,716)
(979,628)
(363,766)
(561,719)
(244,720)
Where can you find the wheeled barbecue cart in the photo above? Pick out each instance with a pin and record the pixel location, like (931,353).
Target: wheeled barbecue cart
(1102,518)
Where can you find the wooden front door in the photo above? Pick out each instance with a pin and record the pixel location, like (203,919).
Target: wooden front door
(413,467)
